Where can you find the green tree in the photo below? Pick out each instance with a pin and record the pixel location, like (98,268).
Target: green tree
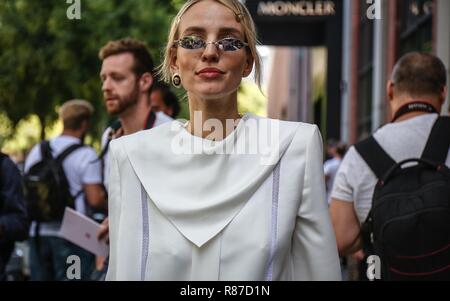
(46,59)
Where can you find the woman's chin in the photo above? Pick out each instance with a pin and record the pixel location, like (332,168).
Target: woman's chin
(214,92)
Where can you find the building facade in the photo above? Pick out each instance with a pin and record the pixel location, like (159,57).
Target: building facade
(373,43)
(373,35)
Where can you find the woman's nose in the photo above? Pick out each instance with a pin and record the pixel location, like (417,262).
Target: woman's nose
(210,53)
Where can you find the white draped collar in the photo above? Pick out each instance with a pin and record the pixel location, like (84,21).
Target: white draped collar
(201,185)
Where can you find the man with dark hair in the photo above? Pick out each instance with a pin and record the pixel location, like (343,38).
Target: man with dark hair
(416,91)
(142,60)
(13,217)
(164,100)
(419,74)
(127,80)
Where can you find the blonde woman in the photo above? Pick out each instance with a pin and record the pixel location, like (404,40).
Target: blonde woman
(223,196)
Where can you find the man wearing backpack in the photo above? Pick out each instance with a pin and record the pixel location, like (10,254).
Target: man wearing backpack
(13,217)
(398,210)
(74,172)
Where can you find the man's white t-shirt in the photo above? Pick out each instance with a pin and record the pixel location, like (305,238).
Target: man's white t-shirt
(330,168)
(81,167)
(355,181)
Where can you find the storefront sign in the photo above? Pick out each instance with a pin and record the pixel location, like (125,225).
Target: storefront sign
(296,8)
(300,23)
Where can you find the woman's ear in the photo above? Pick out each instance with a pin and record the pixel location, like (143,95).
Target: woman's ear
(173,60)
(248,66)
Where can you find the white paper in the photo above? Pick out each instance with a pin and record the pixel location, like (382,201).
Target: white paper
(82,231)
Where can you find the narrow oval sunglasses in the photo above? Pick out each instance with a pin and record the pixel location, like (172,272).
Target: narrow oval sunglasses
(226,44)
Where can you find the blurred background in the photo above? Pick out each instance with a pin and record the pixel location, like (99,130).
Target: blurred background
(324,62)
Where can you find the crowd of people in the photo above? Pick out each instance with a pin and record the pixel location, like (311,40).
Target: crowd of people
(170,213)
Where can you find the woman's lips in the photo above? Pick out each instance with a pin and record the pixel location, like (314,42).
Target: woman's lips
(210,73)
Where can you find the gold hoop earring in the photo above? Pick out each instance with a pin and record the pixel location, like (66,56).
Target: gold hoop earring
(176,80)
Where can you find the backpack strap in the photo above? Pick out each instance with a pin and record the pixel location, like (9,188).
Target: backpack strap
(375,156)
(46,150)
(380,163)
(60,158)
(438,144)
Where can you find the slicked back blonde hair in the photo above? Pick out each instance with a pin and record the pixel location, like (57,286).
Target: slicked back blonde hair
(242,16)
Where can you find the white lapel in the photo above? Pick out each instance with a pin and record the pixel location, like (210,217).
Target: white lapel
(201,193)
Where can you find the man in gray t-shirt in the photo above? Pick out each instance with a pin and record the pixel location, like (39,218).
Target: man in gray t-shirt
(416,78)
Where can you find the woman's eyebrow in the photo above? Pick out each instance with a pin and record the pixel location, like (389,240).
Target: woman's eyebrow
(222,31)
(230,30)
(194,29)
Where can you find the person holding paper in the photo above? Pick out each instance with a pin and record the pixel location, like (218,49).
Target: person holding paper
(48,251)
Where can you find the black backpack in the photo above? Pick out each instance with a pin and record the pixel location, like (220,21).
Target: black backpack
(408,226)
(46,188)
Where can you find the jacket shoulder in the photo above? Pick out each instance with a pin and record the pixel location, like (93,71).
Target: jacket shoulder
(141,138)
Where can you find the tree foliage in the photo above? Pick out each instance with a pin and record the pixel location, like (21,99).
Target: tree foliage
(47,59)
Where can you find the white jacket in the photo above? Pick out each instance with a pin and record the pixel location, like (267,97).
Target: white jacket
(262,215)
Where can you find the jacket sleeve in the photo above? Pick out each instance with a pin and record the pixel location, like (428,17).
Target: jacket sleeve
(13,213)
(114,209)
(314,248)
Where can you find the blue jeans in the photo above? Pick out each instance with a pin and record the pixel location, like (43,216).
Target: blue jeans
(48,259)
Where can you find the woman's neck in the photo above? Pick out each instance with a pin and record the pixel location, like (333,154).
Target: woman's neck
(213,119)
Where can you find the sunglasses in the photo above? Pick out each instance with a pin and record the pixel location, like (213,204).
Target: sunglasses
(226,44)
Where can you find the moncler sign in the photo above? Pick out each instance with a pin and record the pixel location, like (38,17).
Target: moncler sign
(296,8)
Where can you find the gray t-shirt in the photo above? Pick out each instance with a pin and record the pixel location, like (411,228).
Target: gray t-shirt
(355,181)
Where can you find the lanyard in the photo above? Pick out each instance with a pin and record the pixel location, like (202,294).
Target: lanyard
(416,106)
(150,122)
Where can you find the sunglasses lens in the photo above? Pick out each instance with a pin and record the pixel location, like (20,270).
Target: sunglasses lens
(230,44)
(192,43)
(227,44)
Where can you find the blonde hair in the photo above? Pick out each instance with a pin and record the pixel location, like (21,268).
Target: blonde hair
(242,16)
(74,112)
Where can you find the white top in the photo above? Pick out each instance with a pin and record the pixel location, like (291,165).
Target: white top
(330,168)
(250,207)
(81,167)
(160,118)
(355,181)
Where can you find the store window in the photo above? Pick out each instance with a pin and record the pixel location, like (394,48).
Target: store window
(416,25)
